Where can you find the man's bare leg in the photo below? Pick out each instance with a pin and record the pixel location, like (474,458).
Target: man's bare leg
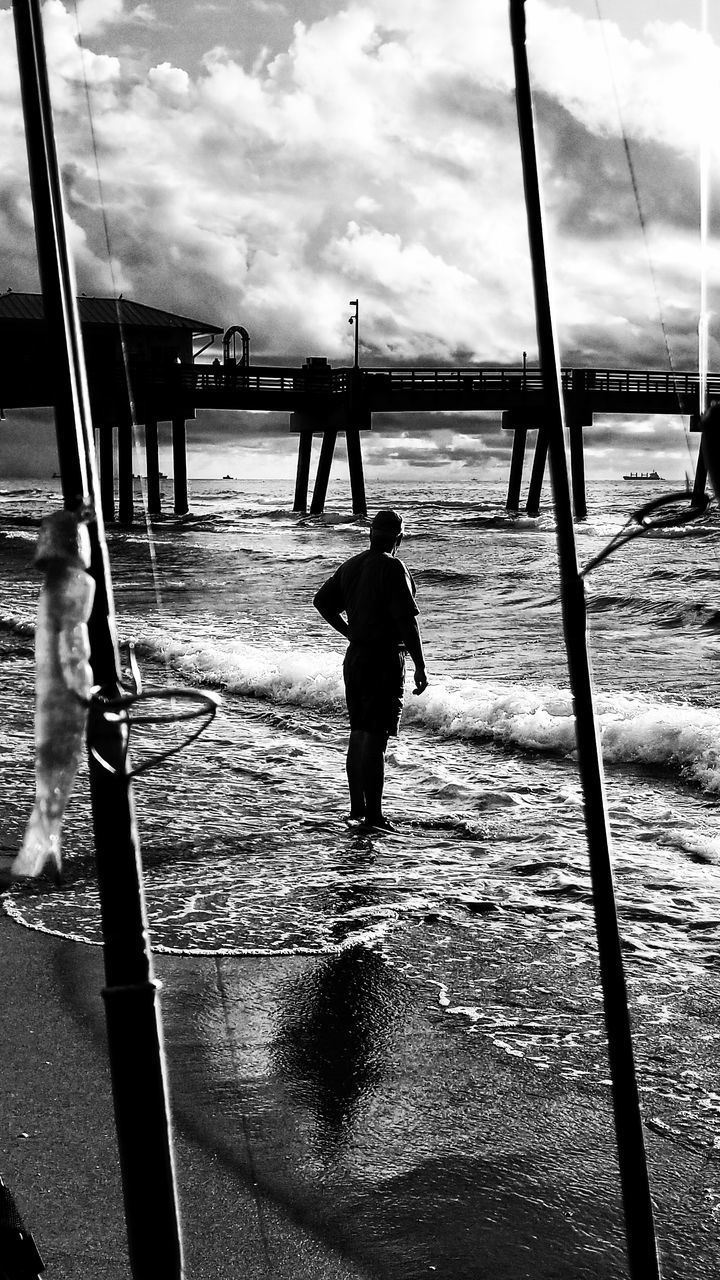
(354,769)
(373,776)
(365,766)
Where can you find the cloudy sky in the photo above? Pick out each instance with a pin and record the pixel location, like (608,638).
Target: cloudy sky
(261,163)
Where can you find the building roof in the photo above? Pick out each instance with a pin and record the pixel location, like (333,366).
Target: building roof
(29,306)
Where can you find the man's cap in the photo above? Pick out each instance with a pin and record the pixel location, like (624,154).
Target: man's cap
(387,522)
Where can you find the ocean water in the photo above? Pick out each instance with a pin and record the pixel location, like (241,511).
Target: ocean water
(483,894)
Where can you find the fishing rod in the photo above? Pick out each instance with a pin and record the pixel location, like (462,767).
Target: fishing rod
(708,466)
(639,1224)
(132,1011)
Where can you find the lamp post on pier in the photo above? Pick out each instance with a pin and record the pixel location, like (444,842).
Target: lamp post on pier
(354,302)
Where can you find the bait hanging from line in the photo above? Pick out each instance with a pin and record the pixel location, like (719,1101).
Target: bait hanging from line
(64,692)
(63,686)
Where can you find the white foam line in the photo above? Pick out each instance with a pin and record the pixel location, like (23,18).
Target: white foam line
(15,914)
(12,911)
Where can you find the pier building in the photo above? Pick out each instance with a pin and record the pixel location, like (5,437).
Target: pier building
(130,353)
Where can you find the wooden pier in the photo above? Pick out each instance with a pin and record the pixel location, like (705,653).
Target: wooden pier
(141,371)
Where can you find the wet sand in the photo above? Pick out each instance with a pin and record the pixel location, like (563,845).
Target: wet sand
(59,1153)
(330,1121)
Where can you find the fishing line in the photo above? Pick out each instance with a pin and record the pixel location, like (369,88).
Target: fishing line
(642,220)
(708,411)
(117,299)
(704,321)
(117,709)
(642,521)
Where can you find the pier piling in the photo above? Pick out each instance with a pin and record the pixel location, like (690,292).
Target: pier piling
(106,467)
(302,478)
(180,485)
(322,478)
(700,479)
(355,465)
(577,467)
(538,474)
(153,467)
(701,472)
(516,468)
(125,473)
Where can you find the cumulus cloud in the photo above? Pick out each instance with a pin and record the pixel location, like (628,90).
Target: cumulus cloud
(171,84)
(94,15)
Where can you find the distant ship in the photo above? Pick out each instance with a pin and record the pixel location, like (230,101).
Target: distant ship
(643,475)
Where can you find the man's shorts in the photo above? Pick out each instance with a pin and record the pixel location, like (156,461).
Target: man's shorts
(374,688)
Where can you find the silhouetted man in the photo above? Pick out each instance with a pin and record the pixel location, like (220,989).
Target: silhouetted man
(377,594)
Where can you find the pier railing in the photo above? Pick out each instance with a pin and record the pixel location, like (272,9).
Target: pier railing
(204,383)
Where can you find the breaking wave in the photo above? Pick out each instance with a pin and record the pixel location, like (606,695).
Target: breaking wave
(635,729)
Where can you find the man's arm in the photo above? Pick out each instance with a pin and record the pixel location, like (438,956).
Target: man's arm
(331,616)
(328,602)
(404,610)
(411,638)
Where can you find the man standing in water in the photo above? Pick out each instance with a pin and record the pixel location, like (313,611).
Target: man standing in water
(377,594)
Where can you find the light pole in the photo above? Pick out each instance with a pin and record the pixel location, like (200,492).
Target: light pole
(354,302)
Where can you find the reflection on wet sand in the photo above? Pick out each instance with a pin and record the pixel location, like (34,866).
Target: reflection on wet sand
(333,1034)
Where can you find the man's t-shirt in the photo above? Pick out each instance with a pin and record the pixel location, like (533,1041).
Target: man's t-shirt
(377,593)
